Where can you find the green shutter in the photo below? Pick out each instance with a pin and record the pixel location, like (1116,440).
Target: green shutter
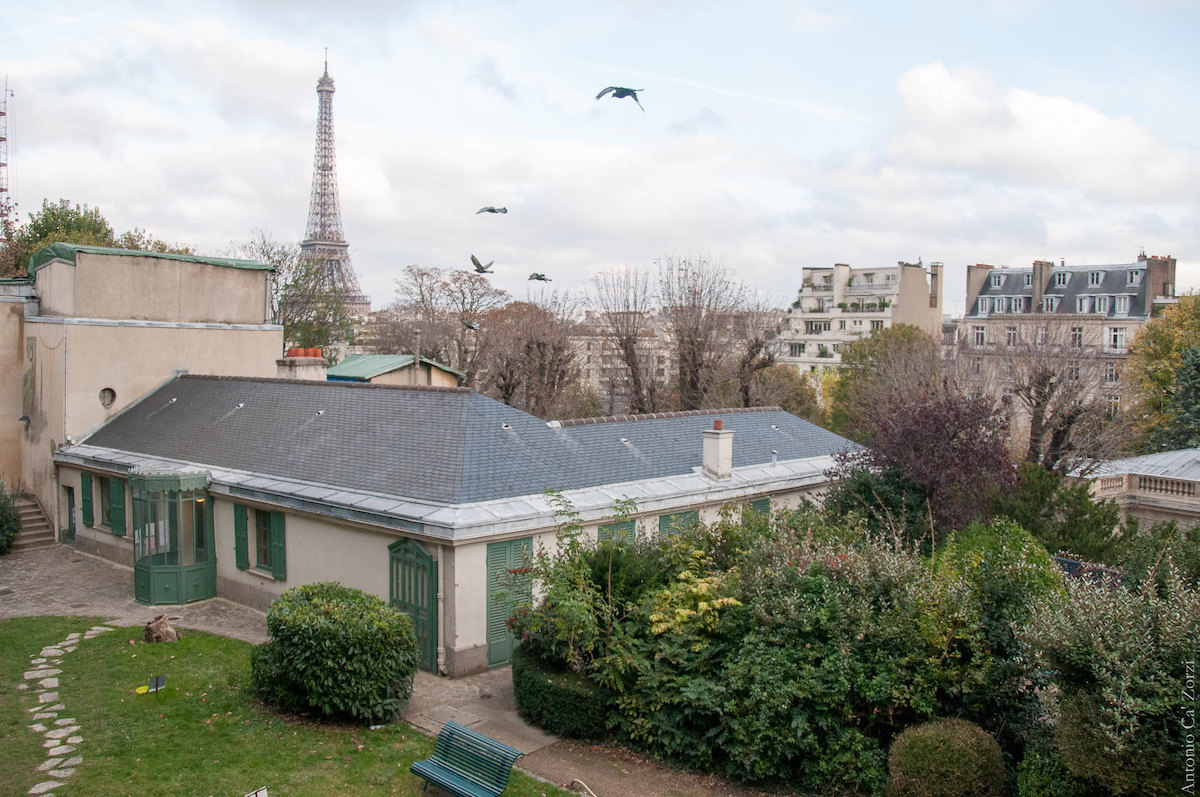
(278,547)
(761,507)
(677,521)
(85,499)
(116,506)
(240,550)
(624,531)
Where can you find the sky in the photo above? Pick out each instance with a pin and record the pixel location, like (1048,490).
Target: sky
(775,135)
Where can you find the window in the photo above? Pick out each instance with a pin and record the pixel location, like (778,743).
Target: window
(815,327)
(1083,304)
(858,322)
(760,507)
(1060,279)
(1029,280)
(876,325)
(112,505)
(984,305)
(1094,278)
(621,531)
(1102,305)
(796,349)
(979,335)
(1049,304)
(677,521)
(997,280)
(1076,337)
(1072,370)
(1114,404)
(1134,277)
(841,324)
(1122,305)
(1111,375)
(270,544)
(1116,338)
(977,365)
(1010,336)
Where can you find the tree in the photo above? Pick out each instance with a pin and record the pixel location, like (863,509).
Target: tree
(432,311)
(62,222)
(624,301)
(699,298)
(783,386)
(1062,514)
(881,371)
(311,316)
(1155,357)
(1181,426)
(529,360)
(754,333)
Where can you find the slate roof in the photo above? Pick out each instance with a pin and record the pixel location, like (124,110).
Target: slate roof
(1183,464)
(365,367)
(1114,281)
(449,445)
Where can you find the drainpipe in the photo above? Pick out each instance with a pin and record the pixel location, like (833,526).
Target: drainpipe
(441,612)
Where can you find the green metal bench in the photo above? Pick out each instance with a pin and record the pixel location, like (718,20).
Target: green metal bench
(467,763)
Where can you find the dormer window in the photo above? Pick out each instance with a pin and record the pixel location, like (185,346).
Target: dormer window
(1102,304)
(1049,304)
(1029,280)
(1095,278)
(1083,304)
(997,280)
(1135,277)
(1060,279)
(1122,305)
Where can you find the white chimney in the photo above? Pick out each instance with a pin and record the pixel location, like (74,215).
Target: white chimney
(718,451)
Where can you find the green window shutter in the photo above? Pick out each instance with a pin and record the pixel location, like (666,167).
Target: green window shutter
(623,531)
(240,549)
(85,499)
(278,547)
(761,507)
(677,521)
(116,505)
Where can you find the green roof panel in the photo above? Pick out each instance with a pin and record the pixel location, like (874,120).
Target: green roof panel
(365,367)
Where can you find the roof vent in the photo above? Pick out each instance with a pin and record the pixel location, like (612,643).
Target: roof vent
(505,426)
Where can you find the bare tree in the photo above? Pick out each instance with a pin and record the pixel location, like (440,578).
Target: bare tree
(754,333)
(436,309)
(698,299)
(624,302)
(1063,392)
(311,316)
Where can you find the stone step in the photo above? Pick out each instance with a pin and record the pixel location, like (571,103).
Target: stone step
(36,531)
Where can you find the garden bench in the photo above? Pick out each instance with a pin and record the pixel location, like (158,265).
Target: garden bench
(467,763)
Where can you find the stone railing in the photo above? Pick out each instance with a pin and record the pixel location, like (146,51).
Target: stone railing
(1160,486)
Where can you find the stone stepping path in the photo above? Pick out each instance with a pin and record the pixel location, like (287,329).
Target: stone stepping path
(61,733)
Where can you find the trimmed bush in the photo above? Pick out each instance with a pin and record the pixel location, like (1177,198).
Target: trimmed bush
(10,521)
(557,701)
(338,652)
(945,758)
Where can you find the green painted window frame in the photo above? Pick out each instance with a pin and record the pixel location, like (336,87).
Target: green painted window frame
(621,531)
(274,540)
(671,522)
(85,499)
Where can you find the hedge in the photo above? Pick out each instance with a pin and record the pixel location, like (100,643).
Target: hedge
(558,701)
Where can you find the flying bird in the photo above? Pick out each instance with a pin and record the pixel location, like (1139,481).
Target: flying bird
(490,209)
(471,324)
(481,268)
(537,276)
(618,92)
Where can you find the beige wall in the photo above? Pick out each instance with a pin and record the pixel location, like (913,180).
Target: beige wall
(428,375)
(11,389)
(97,540)
(152,289)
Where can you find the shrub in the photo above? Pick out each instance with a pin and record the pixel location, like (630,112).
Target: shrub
(1146,549)
(1042,773)
(10,521)
(557,700)
(336,651)
(946,758)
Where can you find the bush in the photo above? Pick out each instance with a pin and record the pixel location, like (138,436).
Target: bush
(556,700)
(10,521)
(336,651)
(1042,773)
(946,758)
(1146,549)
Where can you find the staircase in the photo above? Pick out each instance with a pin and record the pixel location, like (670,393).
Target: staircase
(36,531)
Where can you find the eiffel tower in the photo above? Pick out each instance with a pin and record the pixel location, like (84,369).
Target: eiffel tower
(324,240)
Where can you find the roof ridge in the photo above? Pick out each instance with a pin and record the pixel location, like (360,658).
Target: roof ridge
(650,416)
(358,385)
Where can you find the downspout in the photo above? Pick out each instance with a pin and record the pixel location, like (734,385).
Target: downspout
(441,612)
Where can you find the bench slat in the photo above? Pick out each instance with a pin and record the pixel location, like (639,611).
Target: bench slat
(467,763)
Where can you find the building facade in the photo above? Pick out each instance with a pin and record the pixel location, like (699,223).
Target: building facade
(1153,488)
(840,304)
(427,497)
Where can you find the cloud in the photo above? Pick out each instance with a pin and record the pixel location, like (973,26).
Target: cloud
(487,75)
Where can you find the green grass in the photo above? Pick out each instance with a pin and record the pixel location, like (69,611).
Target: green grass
(203,734)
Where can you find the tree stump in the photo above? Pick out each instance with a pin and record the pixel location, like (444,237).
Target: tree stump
(159,630)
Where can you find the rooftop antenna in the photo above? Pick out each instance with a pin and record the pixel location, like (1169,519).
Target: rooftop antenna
(5,201)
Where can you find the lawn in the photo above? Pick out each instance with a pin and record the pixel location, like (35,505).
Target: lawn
(203,734)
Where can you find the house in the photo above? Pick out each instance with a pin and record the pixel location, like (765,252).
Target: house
(1153,488)
(394,369)
(838,305)
(426,496)
(89,330)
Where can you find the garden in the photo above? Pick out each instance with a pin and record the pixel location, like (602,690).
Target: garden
(814,652)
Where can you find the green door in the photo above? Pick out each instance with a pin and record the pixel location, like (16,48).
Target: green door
(413,590)
(508,585)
